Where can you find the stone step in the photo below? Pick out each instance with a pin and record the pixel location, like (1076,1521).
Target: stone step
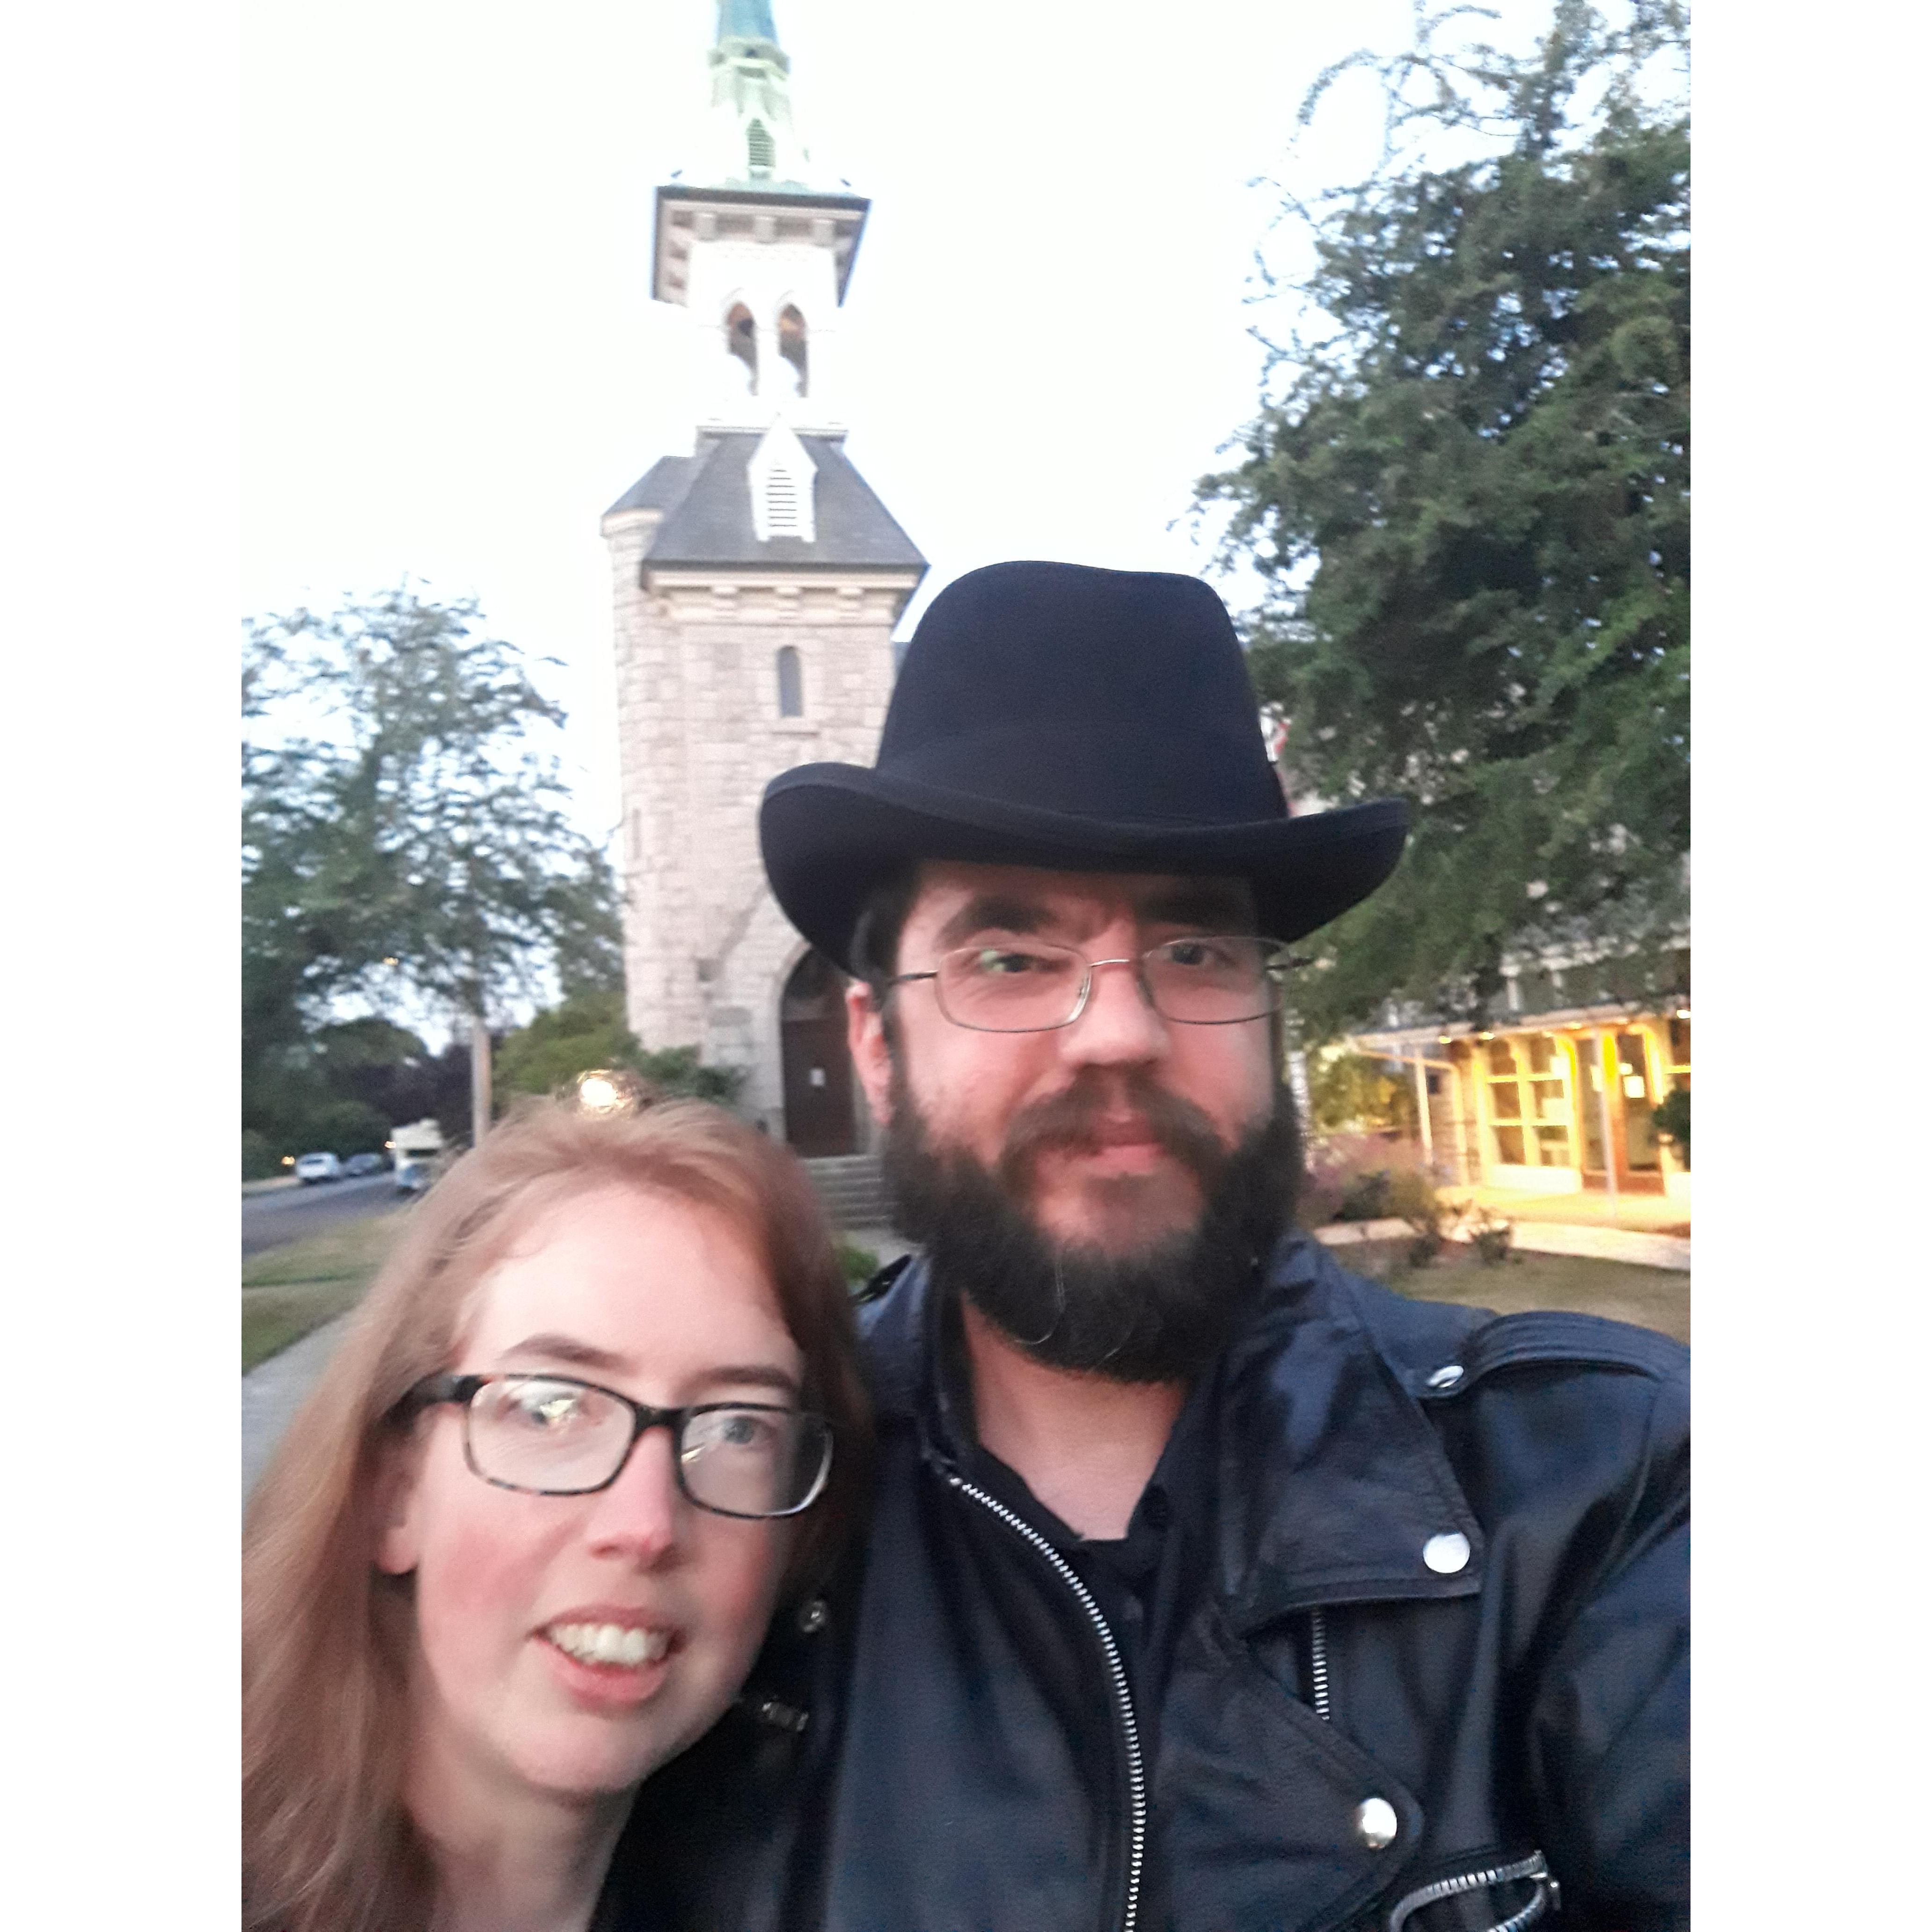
(852,1189)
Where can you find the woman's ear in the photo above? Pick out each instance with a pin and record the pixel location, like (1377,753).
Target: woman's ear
(396,1486)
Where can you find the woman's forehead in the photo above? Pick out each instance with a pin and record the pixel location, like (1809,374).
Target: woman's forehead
(636,1274)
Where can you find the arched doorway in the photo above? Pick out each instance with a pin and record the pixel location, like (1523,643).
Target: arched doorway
(819,1116)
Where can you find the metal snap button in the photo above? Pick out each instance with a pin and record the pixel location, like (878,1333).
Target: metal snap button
(1375,1823)
(1448,1553)
(811,1617)
(1446,1376)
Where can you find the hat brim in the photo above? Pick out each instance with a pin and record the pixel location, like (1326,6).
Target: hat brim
(832,833)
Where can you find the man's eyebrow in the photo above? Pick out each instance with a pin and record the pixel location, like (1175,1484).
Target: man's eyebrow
(1225,903)
(995,909)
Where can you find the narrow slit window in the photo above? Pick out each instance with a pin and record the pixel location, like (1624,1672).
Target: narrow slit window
(791,683)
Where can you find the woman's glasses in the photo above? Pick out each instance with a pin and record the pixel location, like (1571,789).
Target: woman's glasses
(553,1435)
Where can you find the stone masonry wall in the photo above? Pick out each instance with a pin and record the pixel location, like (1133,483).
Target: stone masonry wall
(706,950)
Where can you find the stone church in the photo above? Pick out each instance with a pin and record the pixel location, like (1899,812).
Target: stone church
(757,581)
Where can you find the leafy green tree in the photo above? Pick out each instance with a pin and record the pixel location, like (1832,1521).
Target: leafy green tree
(588,1031)
(1348,1092)
(1467,494)
(403,837)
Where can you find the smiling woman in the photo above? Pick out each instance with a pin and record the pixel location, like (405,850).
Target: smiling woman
(599,1416)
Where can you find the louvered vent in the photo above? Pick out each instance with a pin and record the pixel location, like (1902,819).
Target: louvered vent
(781,516)
(758,146)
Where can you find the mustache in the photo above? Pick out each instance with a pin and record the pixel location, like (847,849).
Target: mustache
(1072,1118)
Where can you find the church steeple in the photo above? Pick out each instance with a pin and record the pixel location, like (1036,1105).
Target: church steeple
(752,142)
(756,252)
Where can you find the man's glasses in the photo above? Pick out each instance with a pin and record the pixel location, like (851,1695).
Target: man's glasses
(552,1435)
(1030,985)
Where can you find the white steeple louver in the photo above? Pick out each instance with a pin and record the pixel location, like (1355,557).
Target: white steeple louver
(782,475)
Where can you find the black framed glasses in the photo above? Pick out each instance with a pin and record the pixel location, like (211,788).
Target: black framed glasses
(1032,986)
(554,1436)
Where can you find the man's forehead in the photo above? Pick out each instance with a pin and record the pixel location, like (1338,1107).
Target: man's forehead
(944,888)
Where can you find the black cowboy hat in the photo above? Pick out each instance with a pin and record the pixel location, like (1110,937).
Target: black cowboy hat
(1080,720)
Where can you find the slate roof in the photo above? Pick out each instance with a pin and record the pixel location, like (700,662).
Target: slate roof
(658,488)
(706,501)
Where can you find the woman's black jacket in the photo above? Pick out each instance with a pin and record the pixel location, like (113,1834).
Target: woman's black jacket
(1352,1723)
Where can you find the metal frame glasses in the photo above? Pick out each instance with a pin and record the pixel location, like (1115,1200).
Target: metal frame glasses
(1202,979)
(809,1453)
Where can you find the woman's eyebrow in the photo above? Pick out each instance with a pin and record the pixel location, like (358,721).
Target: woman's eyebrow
(582,1355)
(757,1374)
(566,1348)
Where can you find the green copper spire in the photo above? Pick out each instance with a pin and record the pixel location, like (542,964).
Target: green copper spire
(746,20)
(753,143)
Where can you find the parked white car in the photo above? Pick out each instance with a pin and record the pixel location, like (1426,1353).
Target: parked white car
(312,1167)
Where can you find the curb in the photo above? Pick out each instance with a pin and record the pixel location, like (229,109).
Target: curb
(1541,1237)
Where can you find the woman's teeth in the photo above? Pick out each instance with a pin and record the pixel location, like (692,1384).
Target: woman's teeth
(609,1643)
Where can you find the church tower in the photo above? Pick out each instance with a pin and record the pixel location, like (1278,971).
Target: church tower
(757,579)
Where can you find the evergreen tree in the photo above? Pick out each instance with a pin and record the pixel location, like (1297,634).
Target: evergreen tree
(1467,494)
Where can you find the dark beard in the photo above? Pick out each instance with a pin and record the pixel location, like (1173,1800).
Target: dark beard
(1160,1315)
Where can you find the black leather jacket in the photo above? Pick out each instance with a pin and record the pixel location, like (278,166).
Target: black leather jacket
(1359,1725)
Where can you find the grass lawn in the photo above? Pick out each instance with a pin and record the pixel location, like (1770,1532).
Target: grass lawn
(1651,1297)
(288,1291)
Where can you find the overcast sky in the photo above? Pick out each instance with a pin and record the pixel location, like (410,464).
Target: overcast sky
(451,363)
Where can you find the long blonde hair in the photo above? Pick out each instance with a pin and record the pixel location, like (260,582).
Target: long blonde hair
(327,1846)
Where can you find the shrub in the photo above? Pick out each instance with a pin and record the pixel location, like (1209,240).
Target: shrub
(258,1157)
(1346,1178)
(1489,1235)
(1673,1121)
(860,1264)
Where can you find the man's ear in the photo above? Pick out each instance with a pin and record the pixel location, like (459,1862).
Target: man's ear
(397,1484)
(871,1053)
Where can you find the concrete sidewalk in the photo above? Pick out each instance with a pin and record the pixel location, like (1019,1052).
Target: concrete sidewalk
(273,1390)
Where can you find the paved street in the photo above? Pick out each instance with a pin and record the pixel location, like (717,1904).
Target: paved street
(289,1213)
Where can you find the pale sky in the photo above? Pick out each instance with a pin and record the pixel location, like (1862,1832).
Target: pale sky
(451,362)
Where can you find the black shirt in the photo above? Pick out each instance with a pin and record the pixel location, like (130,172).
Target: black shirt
(1136,1580)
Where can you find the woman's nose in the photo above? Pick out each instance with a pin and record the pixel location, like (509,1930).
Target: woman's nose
(641,1515)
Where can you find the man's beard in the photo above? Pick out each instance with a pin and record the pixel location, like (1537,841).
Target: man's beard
(1158,1314)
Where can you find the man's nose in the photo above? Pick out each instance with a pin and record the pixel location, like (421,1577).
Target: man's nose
(640,1517)
(1118,1025)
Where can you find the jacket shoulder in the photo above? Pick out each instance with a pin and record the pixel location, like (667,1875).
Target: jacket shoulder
(1439,1350)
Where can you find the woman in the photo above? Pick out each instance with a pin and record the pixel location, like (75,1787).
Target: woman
(522,1543)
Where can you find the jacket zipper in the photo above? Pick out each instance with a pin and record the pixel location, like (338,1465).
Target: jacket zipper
(1317,1662)
(1531,1868)
(1117,1676)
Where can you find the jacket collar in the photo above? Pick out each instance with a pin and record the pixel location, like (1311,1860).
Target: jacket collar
(1329,1482)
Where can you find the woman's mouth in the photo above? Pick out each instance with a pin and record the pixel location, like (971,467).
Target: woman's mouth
(611,1646)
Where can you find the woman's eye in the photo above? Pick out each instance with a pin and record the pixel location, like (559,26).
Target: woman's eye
(549,1409)
(744,1432)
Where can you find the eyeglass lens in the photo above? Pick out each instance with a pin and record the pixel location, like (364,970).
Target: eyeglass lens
(560,1437)
(1025,986)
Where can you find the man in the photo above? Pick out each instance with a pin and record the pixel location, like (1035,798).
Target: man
(1208,1586)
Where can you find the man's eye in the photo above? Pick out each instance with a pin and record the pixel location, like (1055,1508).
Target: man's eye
(1211,954)
(1195,953)
(1003,962)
